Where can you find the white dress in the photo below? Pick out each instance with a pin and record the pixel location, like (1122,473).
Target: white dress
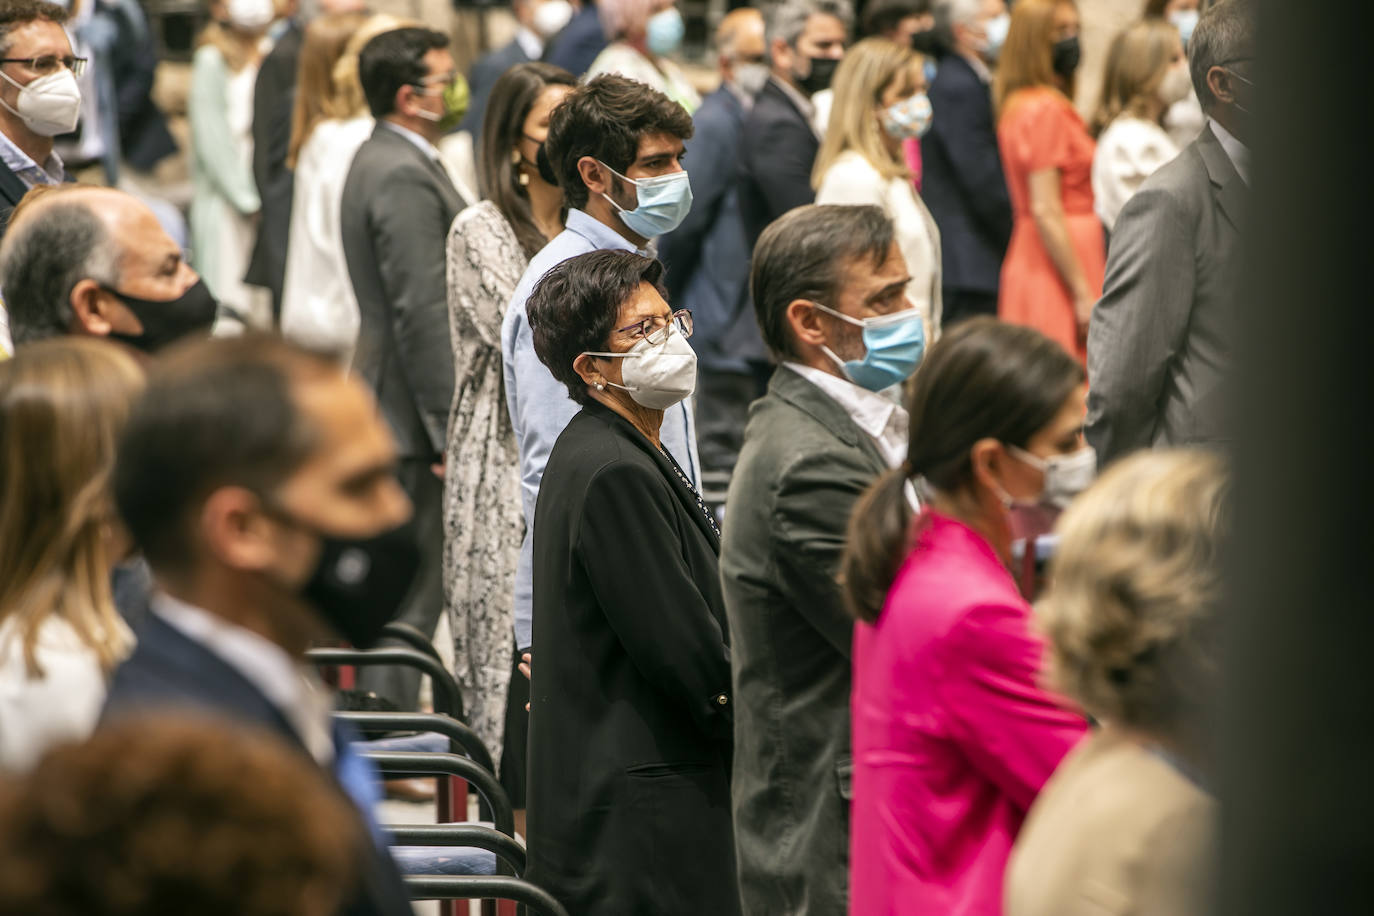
(851,179)
(1129,151)
(62,705)
(318,307)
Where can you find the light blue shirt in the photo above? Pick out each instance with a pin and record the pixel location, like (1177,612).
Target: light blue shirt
(28,171)
(539,404)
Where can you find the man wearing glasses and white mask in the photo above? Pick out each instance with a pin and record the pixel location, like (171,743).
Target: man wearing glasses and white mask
(39,97)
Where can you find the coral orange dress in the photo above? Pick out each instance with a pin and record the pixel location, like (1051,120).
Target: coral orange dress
(1041,130)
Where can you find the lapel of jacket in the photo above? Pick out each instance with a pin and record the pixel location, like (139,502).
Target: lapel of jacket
(685,494)
(789,386)
(1227,185)
(11,187)
(452,198)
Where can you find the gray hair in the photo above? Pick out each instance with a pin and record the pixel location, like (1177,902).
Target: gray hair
(42,260)
(787,20)
(949,13)
(803,255)
(1224,34)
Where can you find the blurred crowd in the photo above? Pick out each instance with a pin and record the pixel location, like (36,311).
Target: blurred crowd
(813,452)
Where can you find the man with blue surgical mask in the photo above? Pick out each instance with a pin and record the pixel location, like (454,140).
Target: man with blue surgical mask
(829,289)
(624,186)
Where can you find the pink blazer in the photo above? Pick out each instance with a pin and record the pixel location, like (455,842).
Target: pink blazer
(952,734)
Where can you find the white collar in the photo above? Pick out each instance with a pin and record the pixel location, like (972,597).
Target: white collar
(871,411)
(293,688)
(530,43)
(429,149)
(31,173)
(1237,152)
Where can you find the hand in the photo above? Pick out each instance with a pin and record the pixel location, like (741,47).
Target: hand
(1082,310)
(524,666)
(438,470)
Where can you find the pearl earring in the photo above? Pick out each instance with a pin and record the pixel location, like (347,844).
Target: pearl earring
(524,180)
(515,157)
(600,386)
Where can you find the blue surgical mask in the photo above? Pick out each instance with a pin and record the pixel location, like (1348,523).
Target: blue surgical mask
(1185,21)
(664,31)
(664,202)
(895,346)
(996,29)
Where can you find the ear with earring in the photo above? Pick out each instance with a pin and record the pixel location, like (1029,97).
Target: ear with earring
(521,178)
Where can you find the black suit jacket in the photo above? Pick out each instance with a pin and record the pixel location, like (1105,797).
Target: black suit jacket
(398,204)
(274,97)
(484,75)
(582,39)
(776,160)
(169,670)
(11,191)
(631,723)
(964,187)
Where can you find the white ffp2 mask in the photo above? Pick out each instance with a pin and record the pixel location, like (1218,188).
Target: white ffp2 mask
(48,106)
(657,375)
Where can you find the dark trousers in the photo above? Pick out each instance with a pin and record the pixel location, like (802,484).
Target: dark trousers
(961,304)
(425,600)
(722,409)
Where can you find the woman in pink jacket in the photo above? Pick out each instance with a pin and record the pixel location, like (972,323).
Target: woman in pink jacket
(953,734)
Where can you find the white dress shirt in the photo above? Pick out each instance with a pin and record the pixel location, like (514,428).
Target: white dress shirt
(1237,152)
(292,687)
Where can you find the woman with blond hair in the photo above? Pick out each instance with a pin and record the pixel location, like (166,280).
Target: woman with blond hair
(881,102)
(330,122)
(224,196)
(1052,274)
(62,405)
(1129,819)
(1147,72)
(642,34)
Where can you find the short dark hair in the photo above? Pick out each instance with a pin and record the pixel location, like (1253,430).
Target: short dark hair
(216,412)
(1224,34)
(44,257)
(394,59)
(574,306)
(804,254)
(14,13)
(882,16)
(605,119)
(511,99)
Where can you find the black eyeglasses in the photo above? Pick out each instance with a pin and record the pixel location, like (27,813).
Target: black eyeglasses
(49,64)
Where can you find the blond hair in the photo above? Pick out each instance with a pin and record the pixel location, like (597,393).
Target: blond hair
(1136,63)
(1027,58)
(317,96)
(866,72)
(1131,609)
(349,98)
(63,403)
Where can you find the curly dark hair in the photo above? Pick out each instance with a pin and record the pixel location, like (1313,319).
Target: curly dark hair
(605,119)
(177,815)
(573,308)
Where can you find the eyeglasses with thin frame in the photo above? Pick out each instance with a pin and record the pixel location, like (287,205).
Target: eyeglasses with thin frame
(650,326)
(49,64)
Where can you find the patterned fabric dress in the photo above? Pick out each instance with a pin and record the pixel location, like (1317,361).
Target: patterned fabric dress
(483,519)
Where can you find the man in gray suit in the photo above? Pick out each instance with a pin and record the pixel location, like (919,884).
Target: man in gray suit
(813,444)
(398,203)
(1159,344)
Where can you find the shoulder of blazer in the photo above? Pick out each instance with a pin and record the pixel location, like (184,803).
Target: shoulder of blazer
(12,189)
(791,388)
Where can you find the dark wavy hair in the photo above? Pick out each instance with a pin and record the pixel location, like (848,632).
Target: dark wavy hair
(605,119)
(573,308)
(502,127)
(982,380)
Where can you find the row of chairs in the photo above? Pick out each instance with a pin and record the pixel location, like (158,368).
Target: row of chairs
(456,859)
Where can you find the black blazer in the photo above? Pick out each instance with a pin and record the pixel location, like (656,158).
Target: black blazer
(398,204)
(11,191)
(483,77)
(631,722)
(274,97)
(964,187)
(775,160)
(169,670)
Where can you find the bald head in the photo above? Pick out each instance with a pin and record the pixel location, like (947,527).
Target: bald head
(68,250)
(739,40)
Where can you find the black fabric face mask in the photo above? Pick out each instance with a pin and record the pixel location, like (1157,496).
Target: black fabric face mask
(166,320)
(359,583)
(822,72)
(1065,56)
(545,167)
